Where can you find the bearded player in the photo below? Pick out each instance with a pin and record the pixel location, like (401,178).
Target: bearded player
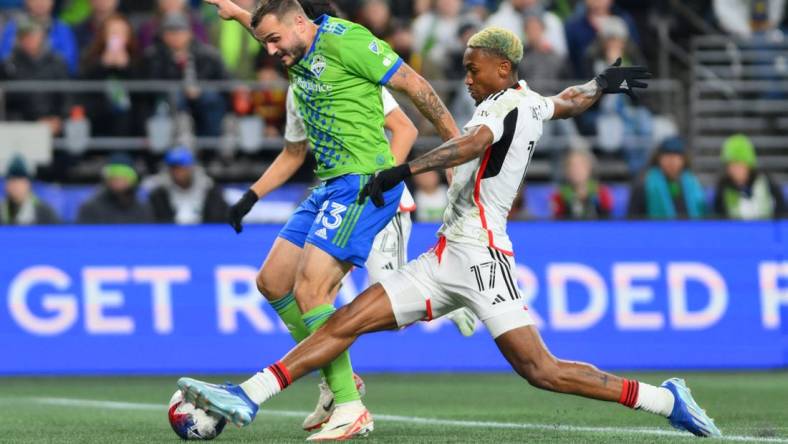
(336,70)
(471,264)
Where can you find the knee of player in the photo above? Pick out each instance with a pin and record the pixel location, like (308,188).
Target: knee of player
(268,287)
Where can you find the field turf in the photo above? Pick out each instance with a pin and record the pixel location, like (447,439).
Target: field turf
(430,408)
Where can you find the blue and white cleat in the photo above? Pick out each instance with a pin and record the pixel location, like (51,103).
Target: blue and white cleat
(687,414)
(228,400)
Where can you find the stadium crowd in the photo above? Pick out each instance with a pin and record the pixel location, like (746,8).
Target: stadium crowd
(184,41)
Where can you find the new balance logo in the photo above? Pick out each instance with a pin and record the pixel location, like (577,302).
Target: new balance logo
(498,299)
(322,233)
(388,266)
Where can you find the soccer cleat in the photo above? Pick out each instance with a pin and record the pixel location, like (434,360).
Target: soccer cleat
(323,409)
(464,320)
(228,400)
(325,404)
(349,421)
(687,414)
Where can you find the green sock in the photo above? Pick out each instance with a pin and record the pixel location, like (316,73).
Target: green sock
(339,373)
(288,311)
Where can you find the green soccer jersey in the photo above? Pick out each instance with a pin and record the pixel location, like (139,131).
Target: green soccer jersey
(336,86)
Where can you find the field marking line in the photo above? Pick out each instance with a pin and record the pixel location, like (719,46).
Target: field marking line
(118,405)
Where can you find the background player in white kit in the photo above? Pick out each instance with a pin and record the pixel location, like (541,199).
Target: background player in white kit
(471,264)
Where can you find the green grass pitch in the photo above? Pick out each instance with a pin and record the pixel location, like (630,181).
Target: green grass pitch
(430,408)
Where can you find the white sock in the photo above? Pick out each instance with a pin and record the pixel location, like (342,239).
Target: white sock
(261,387)
(658,400)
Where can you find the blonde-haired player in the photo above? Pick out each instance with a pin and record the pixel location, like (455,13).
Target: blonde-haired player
(471,266)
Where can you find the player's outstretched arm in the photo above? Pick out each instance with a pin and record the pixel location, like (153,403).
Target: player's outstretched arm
(421,93)
(228,10)
(284,166)
(403,134)
(615,79)
(451,153)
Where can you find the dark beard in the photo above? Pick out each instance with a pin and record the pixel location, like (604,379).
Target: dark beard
(297,52)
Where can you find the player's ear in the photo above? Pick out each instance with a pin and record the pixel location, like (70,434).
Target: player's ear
(505,69)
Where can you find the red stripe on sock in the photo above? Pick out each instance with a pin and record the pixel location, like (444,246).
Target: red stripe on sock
(629,392)
(624,392)
(285,373)
(635,393)
(279,378)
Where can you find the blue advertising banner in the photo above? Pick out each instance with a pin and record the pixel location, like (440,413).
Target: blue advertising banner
(165,299)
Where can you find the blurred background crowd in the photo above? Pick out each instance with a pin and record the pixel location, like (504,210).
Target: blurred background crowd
(158,112)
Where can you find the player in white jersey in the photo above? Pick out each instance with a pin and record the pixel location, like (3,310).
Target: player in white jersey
(471,266)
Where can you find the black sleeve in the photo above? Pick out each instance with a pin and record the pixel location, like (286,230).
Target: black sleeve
(160,206)
(215,209)
(637,202)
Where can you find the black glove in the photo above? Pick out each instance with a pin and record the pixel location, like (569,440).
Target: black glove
(383,181)
(237,212)
(616,80)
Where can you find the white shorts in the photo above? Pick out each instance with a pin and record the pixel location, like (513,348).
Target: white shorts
(390,248)
(454,275)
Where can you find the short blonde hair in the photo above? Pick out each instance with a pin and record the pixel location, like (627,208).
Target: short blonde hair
(499,41)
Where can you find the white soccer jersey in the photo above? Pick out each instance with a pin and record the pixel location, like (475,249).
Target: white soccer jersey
(483,190)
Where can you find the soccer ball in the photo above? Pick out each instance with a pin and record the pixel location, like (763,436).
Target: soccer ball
(192,423)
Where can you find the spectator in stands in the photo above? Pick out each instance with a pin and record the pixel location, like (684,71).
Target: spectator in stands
(375,15)
(184,194)
(181,57)
(86,31)
(238,48)
(113,55)
(668,189)
(401,40)
(31,59)
(152,30)
(455,69)
(269,103)
(583,25)
(61,38)
(478,10)
(116,201)
(435,36)
(21,206)
(430,197)
(462,104)
(511,15)
(744,18)
(581,197)
(542,65)
(743,192)
(611,43)
(621,125)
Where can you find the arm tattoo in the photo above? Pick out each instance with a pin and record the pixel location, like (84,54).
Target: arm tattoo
(432,107)
(443,156)
(590,89)
(453,152)
(426,100)
(576,99)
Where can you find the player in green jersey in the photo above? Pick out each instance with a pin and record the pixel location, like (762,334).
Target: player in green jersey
(336,70)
